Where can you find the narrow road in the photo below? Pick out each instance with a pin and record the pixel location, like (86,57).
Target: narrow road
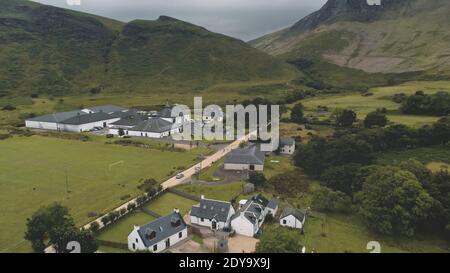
(173,182)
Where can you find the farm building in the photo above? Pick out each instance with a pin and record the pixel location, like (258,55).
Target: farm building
(249,218)
(249,158)
(154,128)
(168,114)
(78,120)
(126,123)
(213,214)
(287,146)
(158,235)
(293,218)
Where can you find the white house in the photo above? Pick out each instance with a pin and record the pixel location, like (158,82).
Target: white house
(293,218)
(126,123)
(287,146)
(158,235)
(249,218)
(77,120)
(249,158)
(154,128)
(213,214)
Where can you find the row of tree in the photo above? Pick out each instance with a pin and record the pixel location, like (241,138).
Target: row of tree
(437,104)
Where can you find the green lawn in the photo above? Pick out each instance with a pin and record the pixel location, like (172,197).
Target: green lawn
(32,174)
(277,164)
(120,230)
(337,234)
(166,203)
(218,192)
(380,99)
(428,155)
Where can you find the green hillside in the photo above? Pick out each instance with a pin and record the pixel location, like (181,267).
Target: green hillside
(399,36)
(55,51)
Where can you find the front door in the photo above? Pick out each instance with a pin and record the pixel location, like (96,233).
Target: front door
(214,225)
(252,167)
(104,124)
(168,243)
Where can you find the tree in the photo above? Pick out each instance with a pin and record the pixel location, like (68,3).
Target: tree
(54,223)
(290,183)
(297,114)
(279,240)
(94,227)
(344,117)
(422,173)
(342,178)
(376,118)
(257,179)
(393,201)
(327,200)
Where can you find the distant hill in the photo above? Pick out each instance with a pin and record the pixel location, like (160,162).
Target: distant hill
(398,36)
(44,49)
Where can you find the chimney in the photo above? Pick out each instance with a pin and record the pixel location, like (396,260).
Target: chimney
(176,210)
(202,197)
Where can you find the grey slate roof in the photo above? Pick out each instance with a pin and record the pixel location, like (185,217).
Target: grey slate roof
(88,118)
(107,109)
(273,204)
(57,117)
(212,209)
(249,155)
(129,120)
(289,141)
(153,125)
(299,214)
(253,209)
(163,228)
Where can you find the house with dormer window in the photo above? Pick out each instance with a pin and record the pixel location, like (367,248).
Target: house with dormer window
(213,214)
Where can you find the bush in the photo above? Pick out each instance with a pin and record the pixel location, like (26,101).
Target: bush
(8,107)
(290,183)
(328,200)
(4,136)
(94,227)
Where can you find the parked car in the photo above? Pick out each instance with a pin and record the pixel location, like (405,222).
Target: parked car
(179,176)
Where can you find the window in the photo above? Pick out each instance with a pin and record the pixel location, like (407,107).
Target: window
(137,241)
(284,222)
(155,247)
(180,234)
(134,246)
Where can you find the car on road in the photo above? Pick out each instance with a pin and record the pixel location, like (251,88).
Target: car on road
(179,176)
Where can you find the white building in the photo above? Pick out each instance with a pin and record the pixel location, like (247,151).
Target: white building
(158,235)
(287,146)
(168,114)
(77,120)
(249,158)
(213,214)
(151,128)
(293,218)
(249,218)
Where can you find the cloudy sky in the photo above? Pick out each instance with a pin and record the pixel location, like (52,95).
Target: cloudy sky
(244,19)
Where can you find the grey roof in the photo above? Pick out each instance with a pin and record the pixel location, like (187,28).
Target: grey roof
(153,125)
(87,118)
(248,155)
(162,228)
(212,209)
(129,120)
(299,214)
(289,141)
(253,208)
(58,117)
(273,204)
(166,112)
(107,109)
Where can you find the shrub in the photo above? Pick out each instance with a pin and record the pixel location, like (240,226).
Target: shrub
(8,107)
(94,227)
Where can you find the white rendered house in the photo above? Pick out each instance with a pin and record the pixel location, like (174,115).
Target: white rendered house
(293,218)
(213,214)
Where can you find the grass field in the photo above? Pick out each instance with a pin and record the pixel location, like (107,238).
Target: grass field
(166,203)
(362,105)
(218,192)
(33,174)
(340,234)
(435,158)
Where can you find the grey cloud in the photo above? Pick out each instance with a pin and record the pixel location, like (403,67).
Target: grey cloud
(244,19)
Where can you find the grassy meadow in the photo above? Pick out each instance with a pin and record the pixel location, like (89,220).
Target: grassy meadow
(33,174)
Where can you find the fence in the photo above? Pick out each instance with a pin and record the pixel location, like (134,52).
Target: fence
(184,194)
(113,244)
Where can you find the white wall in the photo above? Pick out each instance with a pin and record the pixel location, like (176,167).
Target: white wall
(243,226)
(241,167)
(208,223)
(40,125)
(291,221)
(288,149)
(161,246)
(68,127)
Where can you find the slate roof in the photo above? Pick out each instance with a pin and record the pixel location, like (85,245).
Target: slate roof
(249,155)
(299,214)
(107,109)
(58,117)
(88,118)
(163,228)
(212,209)
(153,125)
(289,141)
(129,120)
(273,204)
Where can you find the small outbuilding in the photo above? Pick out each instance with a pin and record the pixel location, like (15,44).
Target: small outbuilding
(293,218)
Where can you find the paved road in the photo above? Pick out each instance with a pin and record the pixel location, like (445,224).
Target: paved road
(173,182)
